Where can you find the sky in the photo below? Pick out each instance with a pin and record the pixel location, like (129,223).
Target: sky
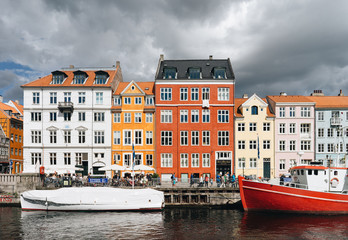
(292,46)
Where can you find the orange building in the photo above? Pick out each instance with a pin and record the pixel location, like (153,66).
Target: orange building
(133,123)
(11,121)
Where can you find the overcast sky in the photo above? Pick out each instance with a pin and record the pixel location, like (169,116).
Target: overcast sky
(292,46)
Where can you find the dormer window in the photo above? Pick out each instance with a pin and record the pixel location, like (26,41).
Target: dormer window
(79,77)
(254,110)
(194,73)
(219,73)
(169,73)
(58,77)
(101,77)
(117,101)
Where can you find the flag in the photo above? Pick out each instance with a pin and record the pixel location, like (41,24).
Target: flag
(133,157)
(258,148)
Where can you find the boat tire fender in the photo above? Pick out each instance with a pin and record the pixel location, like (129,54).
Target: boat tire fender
(334,179)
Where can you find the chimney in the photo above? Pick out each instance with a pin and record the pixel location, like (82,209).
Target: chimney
(245,95)
(17,101)
(1,98)
(161,57)
(118,63)
(71,66)
(210,57)
(317,93)
(283,94)
(341,93)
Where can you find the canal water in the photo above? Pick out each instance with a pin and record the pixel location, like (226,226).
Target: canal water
(185,223)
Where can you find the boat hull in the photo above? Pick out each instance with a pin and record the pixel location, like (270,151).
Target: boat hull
(92,199)
(258,196)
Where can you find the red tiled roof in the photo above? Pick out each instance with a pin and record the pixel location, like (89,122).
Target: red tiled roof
(18,106)
(290,99)
(330,101)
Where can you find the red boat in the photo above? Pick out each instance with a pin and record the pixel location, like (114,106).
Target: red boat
(313,189)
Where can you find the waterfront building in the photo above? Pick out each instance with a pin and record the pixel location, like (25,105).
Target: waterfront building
(67,120)
(331,129)
(11,121)
(133,124)
(294,131)
(254,137)
(194,117)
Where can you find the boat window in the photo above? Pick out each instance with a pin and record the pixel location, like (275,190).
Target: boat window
(302,172)
(315,172)
(309,171)
(335,173)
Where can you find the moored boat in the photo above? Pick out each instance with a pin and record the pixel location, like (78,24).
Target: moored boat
(313,189)
(93,199)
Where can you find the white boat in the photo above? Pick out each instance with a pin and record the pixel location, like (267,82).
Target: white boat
(93,199)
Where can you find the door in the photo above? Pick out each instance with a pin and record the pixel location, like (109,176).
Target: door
(266,168)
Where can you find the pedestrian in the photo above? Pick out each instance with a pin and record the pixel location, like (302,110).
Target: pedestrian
(211,182)
(218,180)
(233,180)
(206,180)
(192,181)
(201,181)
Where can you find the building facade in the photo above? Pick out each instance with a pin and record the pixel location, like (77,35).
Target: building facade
(133,124)
(194,117)
(254,138)
(67,120)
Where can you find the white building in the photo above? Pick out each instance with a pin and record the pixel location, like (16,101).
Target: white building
(67,120)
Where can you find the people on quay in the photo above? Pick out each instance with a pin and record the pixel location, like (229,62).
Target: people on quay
(192,181)
(173,179)
(206,180)
(218,180)
(201,181)
(233,180)
(211,182)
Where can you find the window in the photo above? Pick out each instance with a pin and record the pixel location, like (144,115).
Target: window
(282,128)
(241,144)
(67,158)
(36,116)
(82,136)
(127,159)
(206,159)
(194,116)
(166,138)
(149,137)
(99,137)
(266,144)
(241,127)
(149,101)
(194,138)
(35,136)
(194,94)
(223,116)
(194,73)
(252,127)
(266,127)
(117,101)
(16,138)
(305,128)
(320,116)
(292,145)
(281,145)
(241,162)
(183,94)
(138,100)
(53,136)
(20,138)
(57,78)
(282,112)
(82,97)
(127,100)
(67,97)
(149,159)
(169,73)
(53,98)
(138,137)
(183,138)
(305,112)
(79,79)
(99,117)
(252,163)
(320,132)
(78,158)
(205,115)
(305,145)
(127,117)
(166,160)
(117,117)
(282,164)
(166,94)
(67,116)
(252,144)
(137,118)
(183,160)
(166,116)
(35,158)
(223,138)
(183,116)
(195,160)
(149,117)
(330,132)
(127,137)
(219,73)
(205,93)
(321,147)
(330,147)
(67,136)
(99,98)
(205,138)
(82,116)
(36,98)
(53,158)
(254,110)
(117,137)
(53,116)
(292,112)
(292,128)
(223,94)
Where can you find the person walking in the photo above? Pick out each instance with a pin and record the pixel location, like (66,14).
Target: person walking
(192,181)
(206,180)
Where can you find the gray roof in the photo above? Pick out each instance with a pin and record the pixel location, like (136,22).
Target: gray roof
(205,65)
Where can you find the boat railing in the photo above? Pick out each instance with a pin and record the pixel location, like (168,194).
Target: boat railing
(298,185)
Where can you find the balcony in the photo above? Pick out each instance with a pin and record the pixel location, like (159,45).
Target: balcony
(66,106)
(336,121)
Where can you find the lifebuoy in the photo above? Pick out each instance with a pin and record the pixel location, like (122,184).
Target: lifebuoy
(335,179)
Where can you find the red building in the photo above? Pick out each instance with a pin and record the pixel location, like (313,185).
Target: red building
(194,117)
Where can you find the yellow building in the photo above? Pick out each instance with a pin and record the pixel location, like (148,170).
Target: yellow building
(133,124)
(254,138)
